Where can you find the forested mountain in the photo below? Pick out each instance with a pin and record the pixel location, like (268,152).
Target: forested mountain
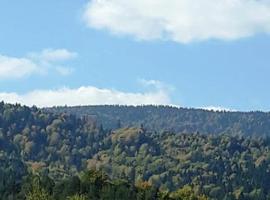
(43,154)
(181,120)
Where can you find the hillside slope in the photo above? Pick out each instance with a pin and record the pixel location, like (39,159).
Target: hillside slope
(60,145)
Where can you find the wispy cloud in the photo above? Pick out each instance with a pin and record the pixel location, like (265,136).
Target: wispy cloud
(53,55)
(11,67)
(156,84)
(86,95)
(180,20)
(35,63)
(64,71)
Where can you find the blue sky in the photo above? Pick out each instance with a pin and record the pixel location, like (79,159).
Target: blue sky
(84,52)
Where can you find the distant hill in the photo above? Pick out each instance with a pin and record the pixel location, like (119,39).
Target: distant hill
(166,118)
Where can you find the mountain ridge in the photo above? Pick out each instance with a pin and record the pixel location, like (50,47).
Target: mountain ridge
(168,118)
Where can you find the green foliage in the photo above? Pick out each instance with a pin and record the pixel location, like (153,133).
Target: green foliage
(77,197)
(186,193)
(105,189)
(12,169)
(37,192)
(135,162)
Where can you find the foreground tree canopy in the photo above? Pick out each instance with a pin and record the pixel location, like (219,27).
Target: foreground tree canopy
(57,155)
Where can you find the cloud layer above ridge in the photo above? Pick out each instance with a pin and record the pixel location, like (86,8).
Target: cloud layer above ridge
(87,95)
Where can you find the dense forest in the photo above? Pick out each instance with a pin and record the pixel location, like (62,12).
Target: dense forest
(60,154)
(179,120)
(91,185)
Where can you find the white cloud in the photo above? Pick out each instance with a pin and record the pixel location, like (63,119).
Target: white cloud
(11,67)
(54,55)
(180,20)
(35,63)
(156,84)
(217,109)
(86,96)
